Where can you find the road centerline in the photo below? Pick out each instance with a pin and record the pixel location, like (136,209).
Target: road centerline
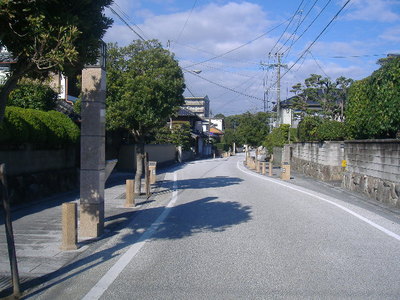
(104,283)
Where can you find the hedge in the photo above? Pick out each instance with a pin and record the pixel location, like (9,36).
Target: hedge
(279,137)
(330,130)
(50,129)
(307,129)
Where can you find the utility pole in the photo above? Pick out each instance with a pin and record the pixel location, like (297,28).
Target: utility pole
(278,66)
(278,91)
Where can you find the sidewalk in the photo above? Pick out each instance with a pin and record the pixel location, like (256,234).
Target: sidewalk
(37,232)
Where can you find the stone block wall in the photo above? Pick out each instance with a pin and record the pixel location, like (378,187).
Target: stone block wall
(373,168)
(34,174)
(161,153)
(319,160)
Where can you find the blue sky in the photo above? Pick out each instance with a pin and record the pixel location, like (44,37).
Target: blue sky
(229,40)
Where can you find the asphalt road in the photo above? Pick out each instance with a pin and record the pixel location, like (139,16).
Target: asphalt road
(219,231)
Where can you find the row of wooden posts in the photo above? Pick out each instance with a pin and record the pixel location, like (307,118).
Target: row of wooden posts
(69,239)
(260,167)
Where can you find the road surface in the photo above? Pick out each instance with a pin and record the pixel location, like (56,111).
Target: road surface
(219,231)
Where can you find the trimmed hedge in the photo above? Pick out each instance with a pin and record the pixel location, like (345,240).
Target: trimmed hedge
(50,129)
(307,129)
(330,130)
(33,95)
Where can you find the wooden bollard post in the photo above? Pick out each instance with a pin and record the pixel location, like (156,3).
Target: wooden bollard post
(263,167)
(257,166)
(285,175)
(69,226)
(270,166)
(130,193)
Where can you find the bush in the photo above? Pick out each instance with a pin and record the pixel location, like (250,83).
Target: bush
(373,109)
(35,96)
(307,129)
(279,137)
(44,129)
(330,130)
(222,146)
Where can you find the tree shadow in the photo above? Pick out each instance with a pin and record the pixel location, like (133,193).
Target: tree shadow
(201,183)
(184,220)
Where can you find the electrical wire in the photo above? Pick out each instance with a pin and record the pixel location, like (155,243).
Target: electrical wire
(184,25)
(239,47)
(315,40)
(317,63)
(130,19)
(126,23)
(308,27)
(287,26)
(297,28)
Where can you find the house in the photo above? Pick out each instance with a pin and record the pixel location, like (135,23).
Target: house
(202,148)
(288,115)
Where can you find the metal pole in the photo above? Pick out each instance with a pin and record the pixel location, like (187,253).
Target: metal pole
(9,232)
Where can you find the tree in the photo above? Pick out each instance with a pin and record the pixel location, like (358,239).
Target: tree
(373,110)
(145,87)
(45,36)
(331,95)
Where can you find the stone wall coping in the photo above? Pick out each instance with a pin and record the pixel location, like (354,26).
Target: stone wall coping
(391,141)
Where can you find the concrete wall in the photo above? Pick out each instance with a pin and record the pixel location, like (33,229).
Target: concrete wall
(34,174)
(32,161)
(162,154)
(373,168)
(319,160)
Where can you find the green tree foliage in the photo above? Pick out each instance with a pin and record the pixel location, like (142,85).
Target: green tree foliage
(331,95)
(307,129)
(178,135)
(43,129)
(46,36)
(373,110)
(35,96)
(246,128)
(145,87)
(279,137)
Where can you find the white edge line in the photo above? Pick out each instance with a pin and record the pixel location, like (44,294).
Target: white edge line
(104,283)
(312,194)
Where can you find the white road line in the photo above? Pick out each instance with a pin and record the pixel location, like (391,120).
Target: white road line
(313,194)
(104,283)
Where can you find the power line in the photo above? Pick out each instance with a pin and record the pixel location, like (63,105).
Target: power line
(287,26)
(130,19)
(319,66)
(315,40)
(126,23)
(222,86)
(184,25)
(297,28)
(308,27)
(237,48)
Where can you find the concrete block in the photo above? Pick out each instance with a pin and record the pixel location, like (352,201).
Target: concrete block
(91,220)
(92,153)
(69,226)
(93,118)
(130,193)
(92,186)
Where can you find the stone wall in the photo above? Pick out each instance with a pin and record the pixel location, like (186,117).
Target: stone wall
(373,168)
(33,174)
(163,154)
(319,160)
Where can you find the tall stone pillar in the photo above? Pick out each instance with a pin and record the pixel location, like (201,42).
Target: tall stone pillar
(92,175)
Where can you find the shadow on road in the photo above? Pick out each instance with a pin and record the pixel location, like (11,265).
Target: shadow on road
(205,215)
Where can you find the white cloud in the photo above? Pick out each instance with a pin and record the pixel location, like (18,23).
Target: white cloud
(392,34)
(373,10)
